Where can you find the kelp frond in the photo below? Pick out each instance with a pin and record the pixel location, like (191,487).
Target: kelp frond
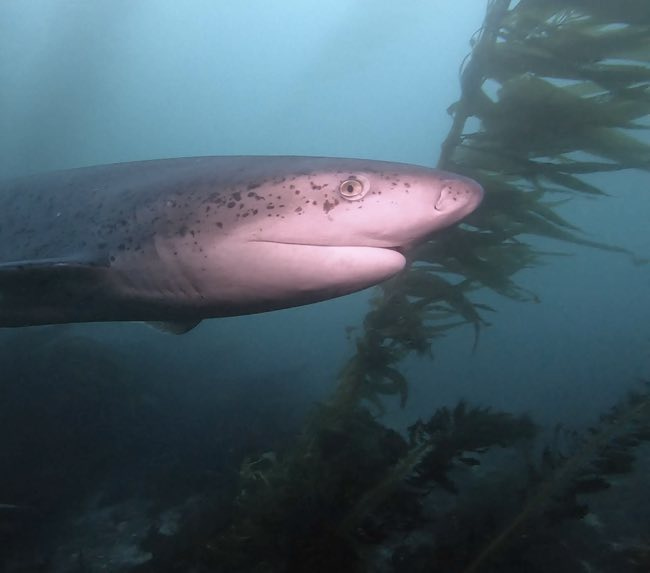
(606,451)
(555,90)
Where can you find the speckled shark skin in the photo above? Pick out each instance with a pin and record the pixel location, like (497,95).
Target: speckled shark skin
(180,240)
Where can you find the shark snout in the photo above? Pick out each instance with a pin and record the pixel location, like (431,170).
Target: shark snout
(460,195)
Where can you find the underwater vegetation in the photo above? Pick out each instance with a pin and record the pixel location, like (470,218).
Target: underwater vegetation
(466,491)
(347,484)
(552,91)
(592,464)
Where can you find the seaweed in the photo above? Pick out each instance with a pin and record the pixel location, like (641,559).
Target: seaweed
(321,505)
(460,432)
(287,513)
(607,450)
(551,92)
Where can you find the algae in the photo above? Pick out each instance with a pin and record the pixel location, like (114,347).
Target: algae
(551,92)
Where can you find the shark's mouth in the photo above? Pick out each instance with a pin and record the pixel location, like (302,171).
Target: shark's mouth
(401,249)
(388,257)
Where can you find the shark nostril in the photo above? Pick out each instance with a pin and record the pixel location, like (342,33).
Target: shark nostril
(442,200)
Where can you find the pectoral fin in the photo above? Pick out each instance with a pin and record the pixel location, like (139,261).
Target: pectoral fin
(50,277)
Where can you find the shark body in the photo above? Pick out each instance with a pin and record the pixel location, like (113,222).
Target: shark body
(180,240)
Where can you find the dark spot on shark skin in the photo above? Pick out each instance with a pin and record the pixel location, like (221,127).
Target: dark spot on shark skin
(231,204)
(298,209)
(270,206)
(219,224)
(253,186)
(236,196)
(327,206)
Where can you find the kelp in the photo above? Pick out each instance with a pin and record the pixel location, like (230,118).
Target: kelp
(552,91)
(352,492)
(290,507)
(460,432)
(606,450)
(525,517)
(324,503)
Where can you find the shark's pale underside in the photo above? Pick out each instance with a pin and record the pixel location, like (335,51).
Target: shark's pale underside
(179,240)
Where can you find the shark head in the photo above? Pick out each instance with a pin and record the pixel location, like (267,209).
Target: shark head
(291,230)
(368,204)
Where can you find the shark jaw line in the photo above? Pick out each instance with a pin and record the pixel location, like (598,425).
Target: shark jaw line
(379,254)
(402,250)
(397,248)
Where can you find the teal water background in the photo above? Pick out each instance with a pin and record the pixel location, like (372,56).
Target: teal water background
(117,80)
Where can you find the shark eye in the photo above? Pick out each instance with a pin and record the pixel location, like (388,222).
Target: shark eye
(354,188)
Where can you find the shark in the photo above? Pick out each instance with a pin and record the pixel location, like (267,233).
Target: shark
(175,241)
